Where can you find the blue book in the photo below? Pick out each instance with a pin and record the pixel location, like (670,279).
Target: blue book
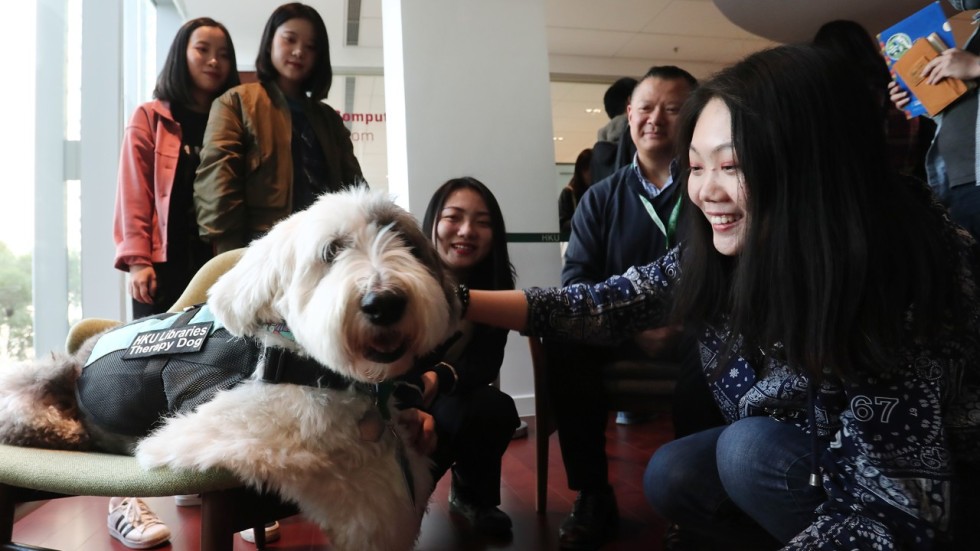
(897,39)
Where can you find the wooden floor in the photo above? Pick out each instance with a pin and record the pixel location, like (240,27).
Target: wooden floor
(79,523)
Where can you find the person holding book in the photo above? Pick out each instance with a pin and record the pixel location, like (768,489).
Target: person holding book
(837,314)
(908,138)
(952,164)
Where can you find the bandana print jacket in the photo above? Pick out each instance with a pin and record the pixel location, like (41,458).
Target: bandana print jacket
(892,445)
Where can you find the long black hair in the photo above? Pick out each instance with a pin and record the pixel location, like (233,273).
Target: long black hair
(495,272)
(174,82)
(837,250)
(855,45)
(321,77)
(852,41)
(579,183)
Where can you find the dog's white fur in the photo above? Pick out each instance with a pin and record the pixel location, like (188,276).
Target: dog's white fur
(310,271)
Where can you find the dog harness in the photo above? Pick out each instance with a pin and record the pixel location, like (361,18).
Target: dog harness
(140,372)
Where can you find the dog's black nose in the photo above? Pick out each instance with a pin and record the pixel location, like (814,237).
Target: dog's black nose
(383,308)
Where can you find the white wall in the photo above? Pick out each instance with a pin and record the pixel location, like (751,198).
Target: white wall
(467,93)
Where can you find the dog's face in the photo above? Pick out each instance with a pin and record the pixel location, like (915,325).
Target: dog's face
(354,278)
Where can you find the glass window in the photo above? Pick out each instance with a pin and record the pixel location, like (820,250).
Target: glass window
(42,215)
(17,105)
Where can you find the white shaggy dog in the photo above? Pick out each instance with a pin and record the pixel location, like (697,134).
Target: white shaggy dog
(363,295)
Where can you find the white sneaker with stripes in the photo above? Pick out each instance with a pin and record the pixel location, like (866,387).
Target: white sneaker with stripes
(133,523)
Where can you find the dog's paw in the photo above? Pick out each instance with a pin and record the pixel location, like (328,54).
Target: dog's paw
(152,453)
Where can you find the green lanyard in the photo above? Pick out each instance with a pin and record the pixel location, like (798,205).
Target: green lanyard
(671,228)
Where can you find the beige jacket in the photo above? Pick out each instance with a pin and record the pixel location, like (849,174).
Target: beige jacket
(244,183)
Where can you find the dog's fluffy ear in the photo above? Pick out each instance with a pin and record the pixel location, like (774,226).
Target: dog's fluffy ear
(245,298)
(426,253)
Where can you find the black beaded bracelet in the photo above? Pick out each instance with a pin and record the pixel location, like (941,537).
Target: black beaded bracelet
(463,294)
(447,376)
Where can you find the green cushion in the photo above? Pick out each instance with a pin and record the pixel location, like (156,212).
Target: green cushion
(101,474)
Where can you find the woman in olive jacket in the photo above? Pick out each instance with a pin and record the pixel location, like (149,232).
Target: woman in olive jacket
(271,147)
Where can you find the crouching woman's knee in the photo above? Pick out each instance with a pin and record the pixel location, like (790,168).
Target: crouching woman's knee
(677,475)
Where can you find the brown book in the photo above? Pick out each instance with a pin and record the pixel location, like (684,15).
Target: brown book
(934,97)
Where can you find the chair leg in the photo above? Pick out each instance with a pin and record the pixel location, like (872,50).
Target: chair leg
(217,521)
(7,504)
(543,422)
(541,437)
(258,529)
(225,512)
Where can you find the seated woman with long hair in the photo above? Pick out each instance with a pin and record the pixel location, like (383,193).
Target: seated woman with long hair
(473,419)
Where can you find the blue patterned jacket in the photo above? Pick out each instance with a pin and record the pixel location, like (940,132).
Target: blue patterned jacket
(893,446)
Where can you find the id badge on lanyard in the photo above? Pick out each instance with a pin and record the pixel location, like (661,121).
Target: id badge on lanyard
(670,230)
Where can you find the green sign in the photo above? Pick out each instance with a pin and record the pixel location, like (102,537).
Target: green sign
(534,238)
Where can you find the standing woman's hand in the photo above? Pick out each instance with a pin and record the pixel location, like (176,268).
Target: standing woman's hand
(955,63)
(143,283)
(897,95)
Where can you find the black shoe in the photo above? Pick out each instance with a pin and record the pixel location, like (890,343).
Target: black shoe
(485,519)
(594,518)
(679,539)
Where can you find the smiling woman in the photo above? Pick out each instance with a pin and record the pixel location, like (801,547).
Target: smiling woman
(464,233)
(838,323)
(715,182)
(154,230)
(474,420)
(271,147)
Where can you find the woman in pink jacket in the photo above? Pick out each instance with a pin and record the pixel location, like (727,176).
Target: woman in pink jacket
(155,228)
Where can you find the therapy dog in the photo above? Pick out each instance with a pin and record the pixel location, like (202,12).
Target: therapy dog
(318,313)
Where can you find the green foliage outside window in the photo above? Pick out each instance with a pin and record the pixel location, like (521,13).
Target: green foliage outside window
(16,310)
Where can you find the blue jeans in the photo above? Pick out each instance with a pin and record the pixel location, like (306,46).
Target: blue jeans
(964,207)
(746,482)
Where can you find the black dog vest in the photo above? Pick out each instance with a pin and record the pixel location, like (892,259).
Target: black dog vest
(169,363)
